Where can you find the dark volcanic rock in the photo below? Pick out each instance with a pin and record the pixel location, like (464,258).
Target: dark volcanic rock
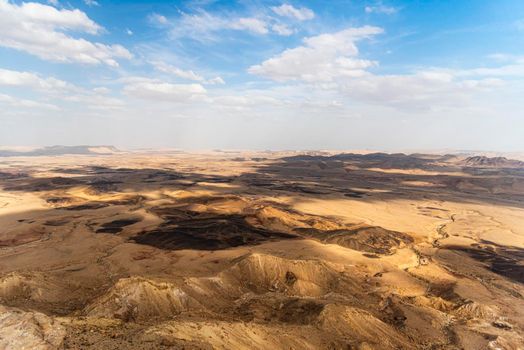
(116,226)
(189,230)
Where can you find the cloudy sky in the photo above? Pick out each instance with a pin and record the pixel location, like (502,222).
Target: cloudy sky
(338,74)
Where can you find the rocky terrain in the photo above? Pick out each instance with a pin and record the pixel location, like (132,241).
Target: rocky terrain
(261,250)
(497,162)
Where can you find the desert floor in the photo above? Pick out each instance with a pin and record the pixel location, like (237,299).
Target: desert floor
(260,250)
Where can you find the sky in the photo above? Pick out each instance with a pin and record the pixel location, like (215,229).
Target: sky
(203,74)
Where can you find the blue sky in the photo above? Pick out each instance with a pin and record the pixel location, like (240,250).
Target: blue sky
(386,75)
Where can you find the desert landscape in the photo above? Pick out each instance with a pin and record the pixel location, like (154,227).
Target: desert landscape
(261,175)
(103,249)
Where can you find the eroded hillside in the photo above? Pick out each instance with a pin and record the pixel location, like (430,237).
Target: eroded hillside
(261,251)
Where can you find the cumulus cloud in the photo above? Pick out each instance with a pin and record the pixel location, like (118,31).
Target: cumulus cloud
(322,58)
(286,10)
(61,91)
(30,80)
(331,62)
(34,14)
(38,29)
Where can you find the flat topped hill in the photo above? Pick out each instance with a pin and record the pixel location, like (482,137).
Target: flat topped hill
(60,150)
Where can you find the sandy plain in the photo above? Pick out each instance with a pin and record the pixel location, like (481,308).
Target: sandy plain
(261,250)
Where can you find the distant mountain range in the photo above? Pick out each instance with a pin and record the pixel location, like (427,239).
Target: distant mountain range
(492,162)
(415,160)
(60,150)
(385,160)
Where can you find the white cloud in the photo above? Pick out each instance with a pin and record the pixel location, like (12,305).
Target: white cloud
(246,103)
(158,19)
(185,74)
(282,29)
(38,30)
(322,58)
(30,80)
(197,26)
(129,31)
(388,10)
(32,14)
(91,3)
(101,90)
(165,91)
(510,67)
(301,14)
(96,100)
(513,70)
(203,26)
(428,89)
(249,99)
(215,81)
(501,57)
(24,103)
(254,25)
(331,62)
(59,90)
(53,2)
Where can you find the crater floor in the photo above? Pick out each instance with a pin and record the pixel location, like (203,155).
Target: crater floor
(261,250)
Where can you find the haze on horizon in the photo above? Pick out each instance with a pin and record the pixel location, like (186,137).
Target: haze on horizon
(199,74)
